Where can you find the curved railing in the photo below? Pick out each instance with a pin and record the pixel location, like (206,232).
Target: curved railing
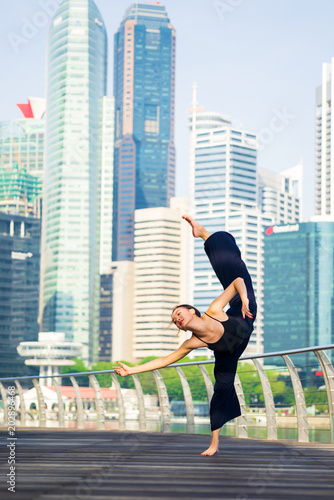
(242,423)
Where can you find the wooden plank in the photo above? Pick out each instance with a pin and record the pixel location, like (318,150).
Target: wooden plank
(68,464)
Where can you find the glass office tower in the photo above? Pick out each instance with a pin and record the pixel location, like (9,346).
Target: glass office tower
(144,87)
(20,239)
(299,286)
(224,166)
(76,84)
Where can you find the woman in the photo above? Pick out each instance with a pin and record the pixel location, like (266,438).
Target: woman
(227,334)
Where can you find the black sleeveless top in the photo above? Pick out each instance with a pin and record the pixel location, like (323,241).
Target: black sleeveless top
(236,330)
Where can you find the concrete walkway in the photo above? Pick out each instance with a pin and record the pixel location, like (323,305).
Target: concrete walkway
(108,465)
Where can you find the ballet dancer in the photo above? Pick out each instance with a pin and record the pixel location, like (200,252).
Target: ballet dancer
(225,333)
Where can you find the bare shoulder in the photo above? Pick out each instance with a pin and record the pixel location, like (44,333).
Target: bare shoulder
(193,343)
(216,312)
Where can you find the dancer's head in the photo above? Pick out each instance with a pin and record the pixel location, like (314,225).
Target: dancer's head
(182,314)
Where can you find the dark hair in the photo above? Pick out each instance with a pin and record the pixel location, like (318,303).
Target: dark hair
(187,306)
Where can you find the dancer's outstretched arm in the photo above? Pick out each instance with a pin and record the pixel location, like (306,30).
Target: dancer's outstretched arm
(237,286)
(155,364)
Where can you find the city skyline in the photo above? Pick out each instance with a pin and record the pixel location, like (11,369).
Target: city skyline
(270,47)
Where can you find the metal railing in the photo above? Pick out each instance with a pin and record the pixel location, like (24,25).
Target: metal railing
(241,423)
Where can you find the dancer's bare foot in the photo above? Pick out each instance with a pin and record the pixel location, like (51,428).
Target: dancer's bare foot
(198,230)
(210,451)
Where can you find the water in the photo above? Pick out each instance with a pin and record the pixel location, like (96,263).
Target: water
(317,434)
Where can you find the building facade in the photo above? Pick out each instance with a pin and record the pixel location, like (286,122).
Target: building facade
(116,312)
(281,194)
(19,291)
(20,192)
(76,85)
(22,140)
(144,89)
(223,162)
(161,271)
(299,286)
(324,158)
(107,177)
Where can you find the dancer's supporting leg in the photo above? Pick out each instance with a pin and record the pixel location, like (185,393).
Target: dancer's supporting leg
(213,448)
(198,230)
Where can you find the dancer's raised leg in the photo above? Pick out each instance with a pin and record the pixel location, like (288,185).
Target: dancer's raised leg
(198,230)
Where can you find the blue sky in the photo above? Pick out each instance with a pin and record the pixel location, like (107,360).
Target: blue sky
(251,59)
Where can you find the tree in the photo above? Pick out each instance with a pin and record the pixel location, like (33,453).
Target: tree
(77,368)
(104,379)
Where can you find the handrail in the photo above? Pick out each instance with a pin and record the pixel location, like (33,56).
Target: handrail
(241,423)
(188,363)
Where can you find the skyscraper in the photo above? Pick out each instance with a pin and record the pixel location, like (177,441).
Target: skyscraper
(20,192)
(160,277)
(20,239)
(144,88)
(324,157)
(299,286)
(76,84)
(281,194)
(223,166)
(107,173)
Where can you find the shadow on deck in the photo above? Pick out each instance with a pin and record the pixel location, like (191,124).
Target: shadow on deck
(69,465)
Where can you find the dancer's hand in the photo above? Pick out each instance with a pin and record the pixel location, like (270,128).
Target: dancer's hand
(122,370)
(245,309)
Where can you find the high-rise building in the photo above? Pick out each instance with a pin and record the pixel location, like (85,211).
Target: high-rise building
(281,194)
(22,140)
(116,312)
(76,85)
(144,88)
(107,176)
(160,277)
(324,157)
(19,291)
(299,286)
(20,192)
(228,192)
(223,165)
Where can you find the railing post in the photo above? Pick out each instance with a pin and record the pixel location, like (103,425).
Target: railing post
(207,381)
(241,428)
(268,401)
(302,422)
(41,403)
(328,371)
(99,403)
(188,401)
(4,403)
(23,413)
(120,403)
(61,413)
(164,402)
(141,405)
(80,412)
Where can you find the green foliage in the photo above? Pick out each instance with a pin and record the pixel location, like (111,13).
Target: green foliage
(104,379)
(125,382)
(315,397)
(172,380)
(250,380)
(77,368)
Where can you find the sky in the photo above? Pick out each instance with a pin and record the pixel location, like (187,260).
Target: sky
(258,61)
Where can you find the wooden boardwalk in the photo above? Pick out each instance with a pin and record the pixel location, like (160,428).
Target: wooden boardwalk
(108,465)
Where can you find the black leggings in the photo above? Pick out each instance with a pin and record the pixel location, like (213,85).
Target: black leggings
(224,404)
